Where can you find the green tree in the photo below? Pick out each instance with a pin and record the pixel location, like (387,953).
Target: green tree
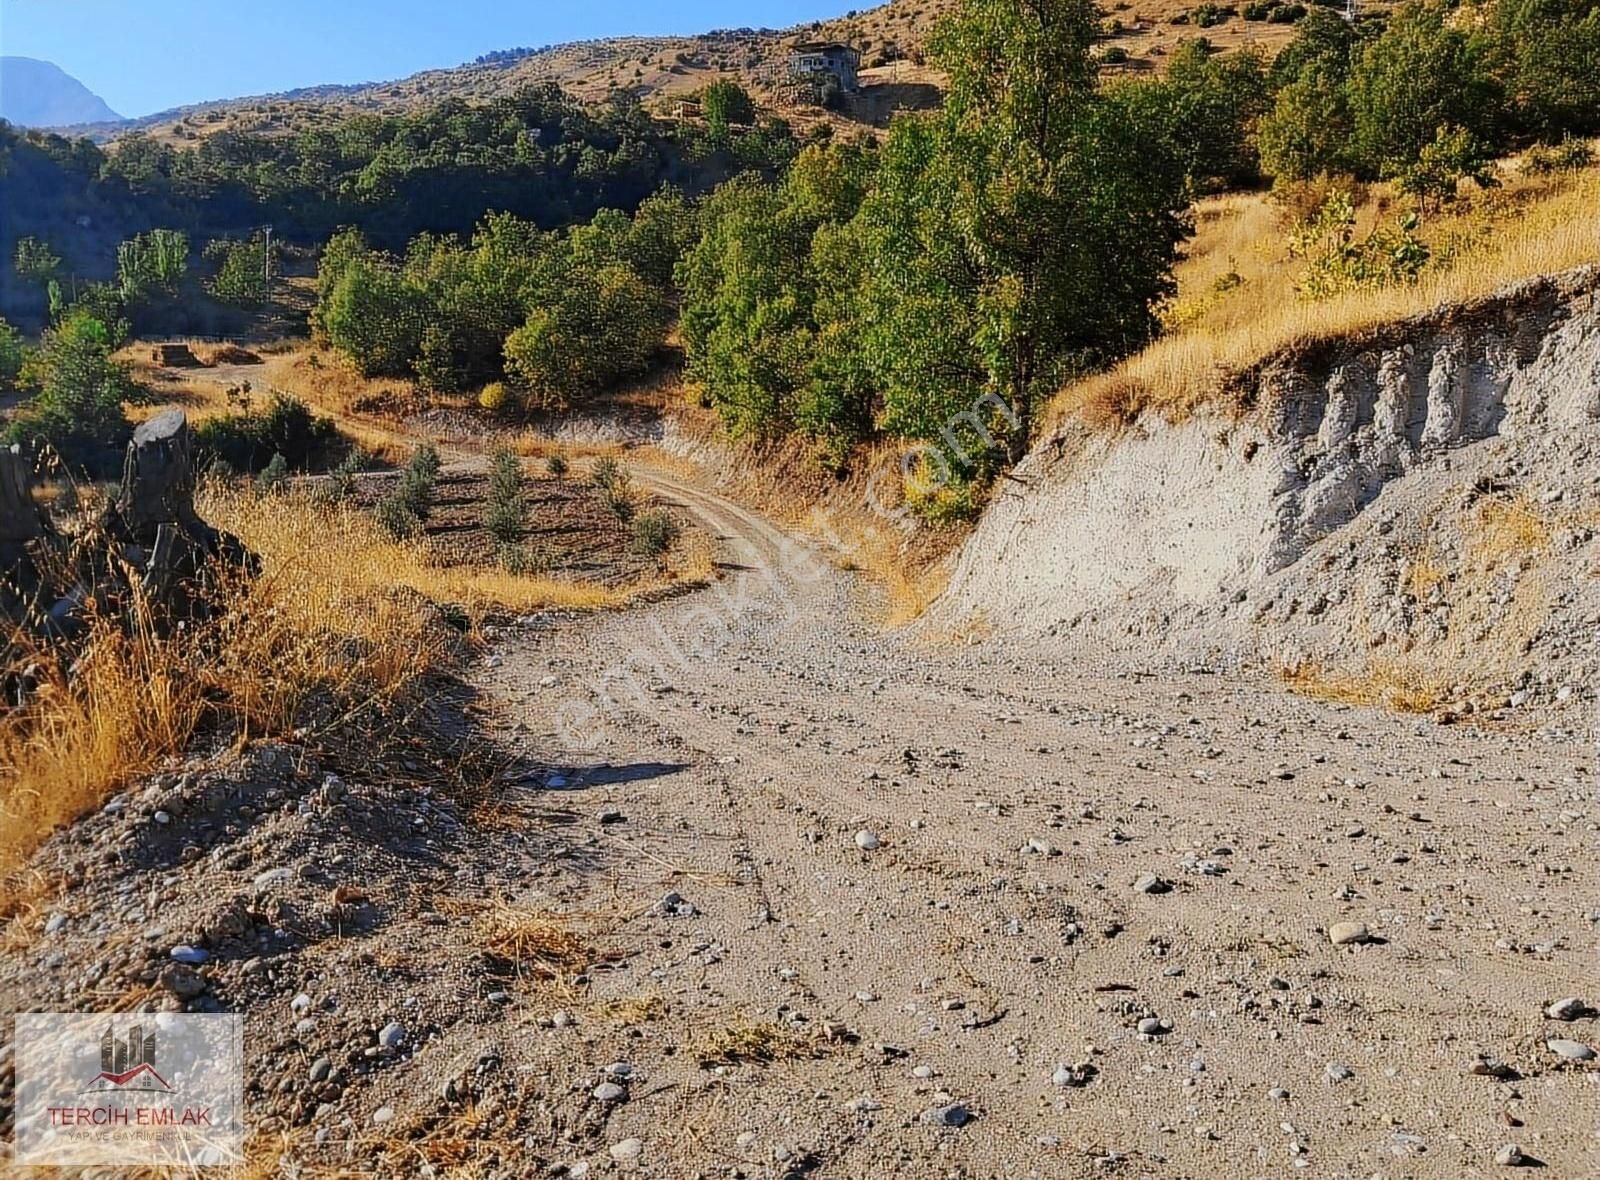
(152,262)
(1307,132)
(35,261)
(1423,73)
(78,406)
(1546,55)
(1213,104)
(375,318)
(1453,156)
(13,353)
(241,275)
(1023,232)
(724,103)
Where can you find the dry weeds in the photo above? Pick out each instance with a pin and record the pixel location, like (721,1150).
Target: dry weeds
(745,1042)
(1404,688)
(1237,302)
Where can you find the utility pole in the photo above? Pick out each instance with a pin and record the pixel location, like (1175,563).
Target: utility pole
(266,263)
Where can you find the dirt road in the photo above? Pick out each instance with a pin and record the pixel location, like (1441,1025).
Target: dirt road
(974,874)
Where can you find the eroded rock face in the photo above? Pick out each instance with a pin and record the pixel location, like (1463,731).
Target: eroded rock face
(1302,525)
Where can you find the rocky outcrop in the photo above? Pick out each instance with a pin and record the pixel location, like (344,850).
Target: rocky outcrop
(1195,538)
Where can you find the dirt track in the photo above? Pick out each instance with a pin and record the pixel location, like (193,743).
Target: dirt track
(995,933)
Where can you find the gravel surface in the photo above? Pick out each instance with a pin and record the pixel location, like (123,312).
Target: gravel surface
(853,904)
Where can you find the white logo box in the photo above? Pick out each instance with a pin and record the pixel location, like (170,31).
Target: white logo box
(146,1088)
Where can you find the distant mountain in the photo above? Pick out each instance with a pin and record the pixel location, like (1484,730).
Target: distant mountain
(39,94)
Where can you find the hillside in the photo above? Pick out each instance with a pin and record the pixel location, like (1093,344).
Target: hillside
(659,70)
(37,93)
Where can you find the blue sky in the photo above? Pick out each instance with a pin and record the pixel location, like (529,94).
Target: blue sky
(143,56)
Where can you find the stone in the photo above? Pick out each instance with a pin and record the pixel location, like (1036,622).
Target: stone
(271,877)
(192,955)
(1571,1050)
(954,1114)
(627,1149)
(1150,883)
(384,1114)
(609,1092)
(321,1069)
(1339,1073)
(300,1005)
(1278,1094)
(1510,1156)
(1348,933)
(392,1035)
(1152,1026)
(184,982)
(867,841)
(1568,1009)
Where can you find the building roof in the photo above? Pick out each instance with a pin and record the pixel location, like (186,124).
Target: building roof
(822,47)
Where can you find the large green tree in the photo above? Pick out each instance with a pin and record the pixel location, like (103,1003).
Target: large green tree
(1024,231)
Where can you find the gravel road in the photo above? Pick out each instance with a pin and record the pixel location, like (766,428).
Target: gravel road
(1043,920)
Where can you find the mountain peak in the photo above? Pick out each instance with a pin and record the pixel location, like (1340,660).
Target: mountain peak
(37,93)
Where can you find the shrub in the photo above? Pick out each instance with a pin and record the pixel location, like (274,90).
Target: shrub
(395,517)
(1570,155)
(606,473)
(274,476)
(1336,262)
(375,318)
(286,427)
(78,407)
(526,560)
(502,513)
(654,533)
(1287,14)
(342,479)
(494,397)
(556,465)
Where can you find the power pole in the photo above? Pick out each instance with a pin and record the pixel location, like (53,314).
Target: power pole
(266,263)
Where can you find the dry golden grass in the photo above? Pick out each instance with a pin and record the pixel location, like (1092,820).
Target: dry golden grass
(533,943)
(338,611)
(328,556)
(134,698)
(745,1042)
(1389,684)
(1237,301)
(630,1011)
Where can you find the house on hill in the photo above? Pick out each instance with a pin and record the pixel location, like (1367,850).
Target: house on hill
(812,58)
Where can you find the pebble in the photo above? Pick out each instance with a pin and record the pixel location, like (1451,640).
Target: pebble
(321,1069)
(953,1115)
(183,982)
(301,1004)
(384,1114)
(1571,1050)
(192,955)
(1348,933)
(1278,1094)
(272,877)
(1339,1073)
(627,1149)
(1568,1009)
(609,1092)
(162,817)
(392,1036)
(56,922)
(1510,1156)
(745,1139)
(867,841)
(1153,1026)
(1150,883)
